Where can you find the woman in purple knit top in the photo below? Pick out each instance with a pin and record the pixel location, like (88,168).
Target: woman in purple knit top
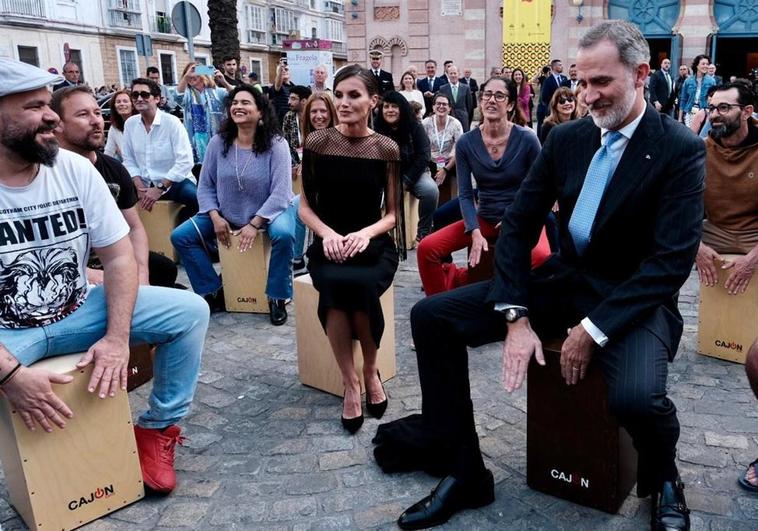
(245,188)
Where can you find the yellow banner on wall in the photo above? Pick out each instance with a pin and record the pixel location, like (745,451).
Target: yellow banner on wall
(526,34)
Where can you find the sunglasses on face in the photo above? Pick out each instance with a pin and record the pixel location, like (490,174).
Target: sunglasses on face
(141,94)
(566,99)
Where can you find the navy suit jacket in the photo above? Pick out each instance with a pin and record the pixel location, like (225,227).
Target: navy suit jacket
(644,239)
(659,90)
(423,85)
(549,86)
(385,81)
(463,107)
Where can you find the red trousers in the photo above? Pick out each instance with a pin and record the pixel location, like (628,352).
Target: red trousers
(437,277)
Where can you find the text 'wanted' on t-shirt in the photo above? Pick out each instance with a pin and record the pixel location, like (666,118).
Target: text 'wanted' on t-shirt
(47,229)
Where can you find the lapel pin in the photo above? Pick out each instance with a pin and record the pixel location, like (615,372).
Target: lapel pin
(647,157)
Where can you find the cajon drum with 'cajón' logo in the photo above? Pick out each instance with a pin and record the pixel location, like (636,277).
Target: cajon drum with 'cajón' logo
(244,275)
(727,324)
(315,360)
(575,448)
(159,224)
(64,479)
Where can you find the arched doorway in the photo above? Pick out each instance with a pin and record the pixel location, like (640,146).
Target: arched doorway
(655,18)
(734,48)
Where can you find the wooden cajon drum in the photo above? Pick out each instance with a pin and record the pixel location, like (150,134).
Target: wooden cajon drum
(244,275)
(316,364)
(410,211)
(575,449)
(140,369)
(64,479)
(448,189)
(728,324)
(159,223)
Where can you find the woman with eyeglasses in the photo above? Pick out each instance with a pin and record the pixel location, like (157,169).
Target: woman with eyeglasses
(562,109)
(203,104)
(397,121)
(121,109)
(245,188)
(349,171)
(443,132)
(497,155)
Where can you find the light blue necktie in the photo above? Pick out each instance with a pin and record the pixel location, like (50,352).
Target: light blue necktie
(598,174)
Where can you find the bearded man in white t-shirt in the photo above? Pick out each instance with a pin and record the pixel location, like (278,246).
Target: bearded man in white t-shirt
(54,209)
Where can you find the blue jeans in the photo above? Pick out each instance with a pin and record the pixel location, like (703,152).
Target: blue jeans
(299,230)
(173,319)
(191,246)
(184,193)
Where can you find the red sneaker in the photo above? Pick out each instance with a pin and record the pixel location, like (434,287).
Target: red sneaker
(156,456)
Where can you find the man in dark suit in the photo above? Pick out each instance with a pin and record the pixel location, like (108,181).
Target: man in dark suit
(552,81)
(383,77)
(474,86)
(72,75)
(430,84)
(625,250)
(573,80)
(662,89)
(459,96)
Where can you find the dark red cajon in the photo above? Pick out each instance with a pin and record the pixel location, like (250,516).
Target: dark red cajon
(575,449)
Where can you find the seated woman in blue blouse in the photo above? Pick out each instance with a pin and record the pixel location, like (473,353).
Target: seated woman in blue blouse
(245,188)
(498,155)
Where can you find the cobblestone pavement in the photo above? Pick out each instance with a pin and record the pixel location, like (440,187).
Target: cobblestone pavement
(265,452)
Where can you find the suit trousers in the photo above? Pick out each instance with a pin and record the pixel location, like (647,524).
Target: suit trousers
(634,366)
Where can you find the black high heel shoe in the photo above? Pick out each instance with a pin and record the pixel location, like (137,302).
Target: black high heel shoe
(378,409)
(354,424)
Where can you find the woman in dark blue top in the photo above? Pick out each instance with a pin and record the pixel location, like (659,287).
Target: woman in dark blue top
(498,155)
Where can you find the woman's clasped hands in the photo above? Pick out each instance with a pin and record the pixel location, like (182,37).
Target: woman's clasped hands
(338,248)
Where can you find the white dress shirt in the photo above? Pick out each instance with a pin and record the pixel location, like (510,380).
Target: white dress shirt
(616,151)
(163,153)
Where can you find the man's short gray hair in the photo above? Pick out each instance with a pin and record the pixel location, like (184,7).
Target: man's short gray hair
(627,37)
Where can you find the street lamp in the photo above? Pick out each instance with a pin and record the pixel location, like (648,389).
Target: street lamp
(579,4)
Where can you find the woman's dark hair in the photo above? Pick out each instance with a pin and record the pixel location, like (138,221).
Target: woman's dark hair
(408,73)
(365,75)
(439,95)
(267,128)
(524,85)
(117,120)
(401,133)
(696,61)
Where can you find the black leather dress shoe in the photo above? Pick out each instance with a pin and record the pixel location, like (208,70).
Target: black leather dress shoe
(277,311)
(450,496)
(669,511)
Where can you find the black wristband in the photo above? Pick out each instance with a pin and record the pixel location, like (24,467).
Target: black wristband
(8,376)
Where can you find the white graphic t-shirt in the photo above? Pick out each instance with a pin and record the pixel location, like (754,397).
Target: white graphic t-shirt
(47,229)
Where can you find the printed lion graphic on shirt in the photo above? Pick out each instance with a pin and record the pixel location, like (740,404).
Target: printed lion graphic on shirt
(39,287)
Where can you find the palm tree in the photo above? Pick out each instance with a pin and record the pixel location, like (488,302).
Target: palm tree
(222,15)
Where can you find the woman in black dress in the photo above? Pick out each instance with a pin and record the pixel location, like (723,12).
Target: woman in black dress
(347,170)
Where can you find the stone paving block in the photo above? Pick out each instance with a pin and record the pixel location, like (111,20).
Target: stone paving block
(332,523)
(138,513)
(708,502)
(748,505)
(726,441)
(241,514)
(197,489)
(295,464)
(183,514)
(309,484)
(376,516)
(343,459)
(295,509)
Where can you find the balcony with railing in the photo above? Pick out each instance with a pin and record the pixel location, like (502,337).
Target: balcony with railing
(121,19)
(128,6)
(339,47)
(331,6)
(23,8)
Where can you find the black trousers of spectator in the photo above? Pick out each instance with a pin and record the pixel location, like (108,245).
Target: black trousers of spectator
(634,367)
(162,270)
